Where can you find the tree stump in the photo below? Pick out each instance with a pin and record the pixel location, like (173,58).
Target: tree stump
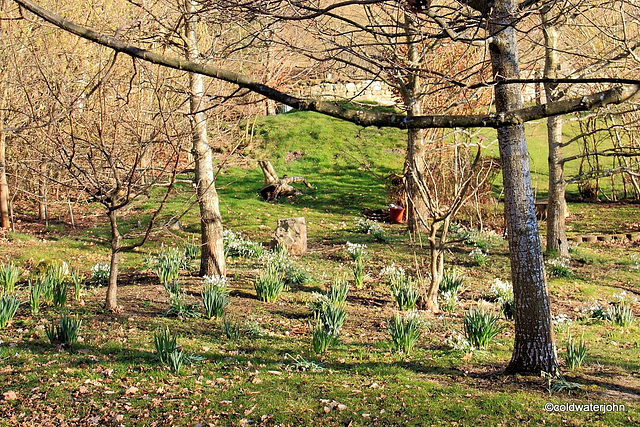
(275,187)
(291,234)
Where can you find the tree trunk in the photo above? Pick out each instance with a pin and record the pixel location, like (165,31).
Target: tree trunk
(4,186)
(556,213)
(212,261)
(415,168)
(415,162)
(270,174)
(42,193)
(111,302)
(534,349)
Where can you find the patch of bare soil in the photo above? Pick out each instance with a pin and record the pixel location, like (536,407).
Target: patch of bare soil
(292,156)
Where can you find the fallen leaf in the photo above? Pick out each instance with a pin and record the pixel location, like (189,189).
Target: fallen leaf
(131,390)
(274,372)
(10,395)
(326,409)
(341,407)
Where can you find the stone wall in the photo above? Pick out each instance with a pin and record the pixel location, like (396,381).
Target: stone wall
(363,91)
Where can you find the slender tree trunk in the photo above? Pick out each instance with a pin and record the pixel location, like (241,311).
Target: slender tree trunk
(212,260)
(556,213)
(415,168)
(4,186)
(111,302)
(415,164)
(42,193)
(534,349)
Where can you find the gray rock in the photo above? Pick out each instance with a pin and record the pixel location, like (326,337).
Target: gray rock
(291,234)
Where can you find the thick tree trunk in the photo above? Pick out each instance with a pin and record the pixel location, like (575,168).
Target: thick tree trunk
(212,261)
(111,302)
(534,349)
(556,213)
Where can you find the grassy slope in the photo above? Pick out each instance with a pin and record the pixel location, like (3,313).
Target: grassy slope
(255,380)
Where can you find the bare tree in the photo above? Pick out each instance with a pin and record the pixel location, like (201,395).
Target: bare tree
(534,349)
(452,176)
(212,260)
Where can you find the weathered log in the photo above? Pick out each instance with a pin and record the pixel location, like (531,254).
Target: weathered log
(275,187)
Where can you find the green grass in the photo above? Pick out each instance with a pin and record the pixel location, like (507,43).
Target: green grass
(114,373)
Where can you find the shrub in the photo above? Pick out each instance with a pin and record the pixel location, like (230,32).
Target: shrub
(405,294)
(9,275)
(448,300)
(280,263)
(322,338)
(366,226)
(176,358)
(622,315)
(561,322)
(36,293)
(268,286)
(329,316)
(58,271)
(481,327)
(191,254)
(405,330)
(59,289)
(167,263)
(100,274)
(8,307)
(178,308)
(393,274)
(502,292)
(452,280)
(65,332)
(480,239)
(231,329)
(237,246)
(596,312)
(357,253)
(559,267)
(165,344)
(336,296)
(575,353)
(215,296)
(478,256)
(76,281)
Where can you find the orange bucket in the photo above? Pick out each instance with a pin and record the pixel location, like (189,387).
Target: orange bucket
(396,215)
